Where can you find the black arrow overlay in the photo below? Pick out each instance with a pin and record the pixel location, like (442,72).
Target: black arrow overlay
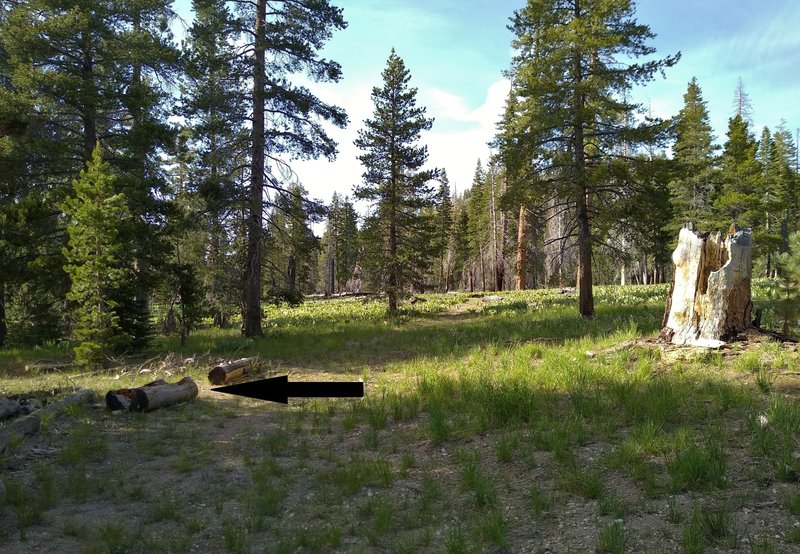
(279,389)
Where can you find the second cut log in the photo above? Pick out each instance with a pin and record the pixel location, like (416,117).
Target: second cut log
(231,371)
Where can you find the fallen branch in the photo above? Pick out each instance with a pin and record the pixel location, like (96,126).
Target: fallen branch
(226,373)
(775,335)
(30,424)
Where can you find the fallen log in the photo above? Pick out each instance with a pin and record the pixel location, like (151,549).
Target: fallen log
(9,408)
(121,399)
(147,399)
(30,424)
(226,373)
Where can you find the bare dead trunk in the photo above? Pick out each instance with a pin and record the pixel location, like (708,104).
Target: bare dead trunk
(710,301)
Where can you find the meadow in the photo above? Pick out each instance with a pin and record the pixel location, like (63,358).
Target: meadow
(509,426)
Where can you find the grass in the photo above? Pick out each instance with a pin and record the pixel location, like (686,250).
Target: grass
(612,539)
(483,428)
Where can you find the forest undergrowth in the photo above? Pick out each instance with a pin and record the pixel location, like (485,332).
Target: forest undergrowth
(511,425)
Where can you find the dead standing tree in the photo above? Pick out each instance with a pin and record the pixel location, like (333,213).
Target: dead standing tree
(709,301)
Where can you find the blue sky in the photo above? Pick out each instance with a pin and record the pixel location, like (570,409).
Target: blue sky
(456,51)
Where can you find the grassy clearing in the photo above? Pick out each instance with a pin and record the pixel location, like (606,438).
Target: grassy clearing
(485,426)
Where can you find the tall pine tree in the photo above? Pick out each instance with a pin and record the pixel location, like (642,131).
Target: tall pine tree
(574,62)
(692,191)
(394,181)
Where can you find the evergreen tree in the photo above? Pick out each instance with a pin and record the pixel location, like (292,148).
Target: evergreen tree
(740,199)
(786,181)
(98,262)
(394,181)
(213,105)
(478,226)
(444,232)
(286,39)
(343,223)
(572,68)
(692,192)
(99,71)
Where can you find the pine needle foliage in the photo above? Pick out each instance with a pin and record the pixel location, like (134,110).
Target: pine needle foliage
(98,263)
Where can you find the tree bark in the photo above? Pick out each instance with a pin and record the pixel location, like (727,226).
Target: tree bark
(3,327)
(522,236)
(149,398)
(586,301)
(710,298)
(225,373)
(252,297)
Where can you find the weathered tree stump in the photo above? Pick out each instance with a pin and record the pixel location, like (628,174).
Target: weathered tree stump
(149,398)
(709,302)
(30,424)
(225,373)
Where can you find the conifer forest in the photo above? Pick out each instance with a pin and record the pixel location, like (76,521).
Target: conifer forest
(153,224)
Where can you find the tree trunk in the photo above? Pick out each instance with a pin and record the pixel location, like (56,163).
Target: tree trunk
(710,298)
(149,398)
(586,301)
(252,297)
(519,266)
(225,373)
(501,263)
(3,327)
(291,274)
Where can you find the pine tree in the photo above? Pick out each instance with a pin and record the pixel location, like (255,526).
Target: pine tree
(478,226)
(213,104)
(99,71)
(394,181)
(786,181)
(739,199)
(286,39)
(98,262)
(344,222)
(692,192)
(572,68)
(444,232)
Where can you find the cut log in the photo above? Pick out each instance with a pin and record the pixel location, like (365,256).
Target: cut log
(226,373)
(709,302)
(147,399)
(9,408)
(30,424)
(120,399)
